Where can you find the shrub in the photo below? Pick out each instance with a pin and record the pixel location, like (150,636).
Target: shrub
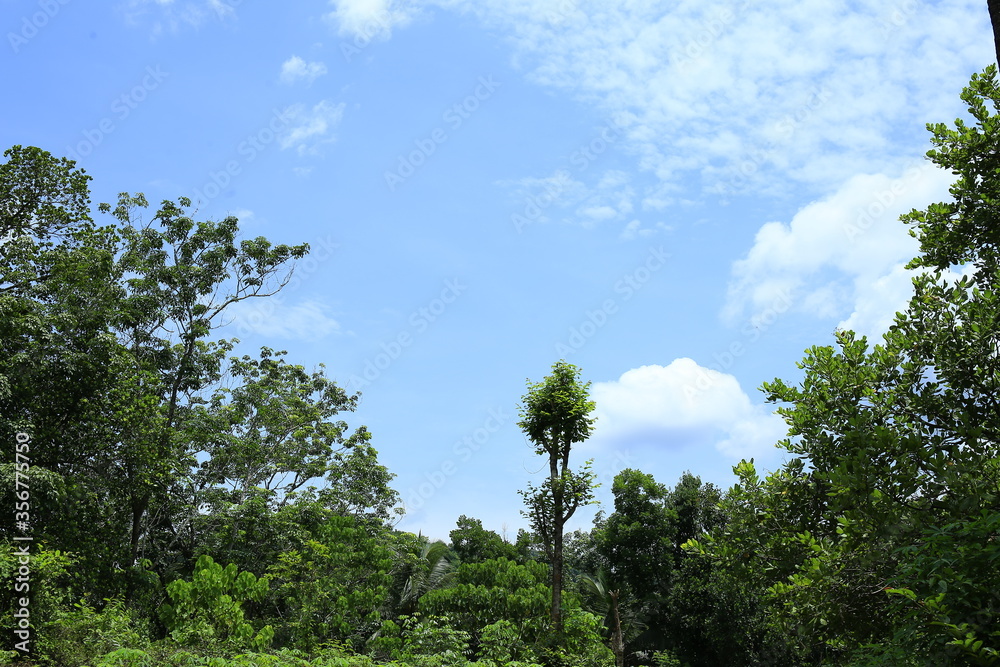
(209,608)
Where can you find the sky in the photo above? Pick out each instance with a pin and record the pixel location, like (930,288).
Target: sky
(678,197)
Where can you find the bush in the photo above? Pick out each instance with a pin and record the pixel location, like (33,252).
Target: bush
(83,634)
(208,610)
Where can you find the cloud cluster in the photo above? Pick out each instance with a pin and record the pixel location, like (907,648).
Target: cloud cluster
(307,320)
(296,69)
(682,405)
(370,18)
(738,93)
(170,15)
(311,127)
(841,254)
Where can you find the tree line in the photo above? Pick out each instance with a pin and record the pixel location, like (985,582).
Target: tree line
(188,506)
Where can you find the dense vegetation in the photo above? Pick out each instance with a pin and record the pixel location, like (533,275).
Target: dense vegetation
(187,507)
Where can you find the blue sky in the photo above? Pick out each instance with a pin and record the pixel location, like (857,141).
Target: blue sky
(678,197)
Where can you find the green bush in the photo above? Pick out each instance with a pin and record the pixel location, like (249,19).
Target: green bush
(42,580)
(83,634)
(430,641)
(208,610)
(502,643)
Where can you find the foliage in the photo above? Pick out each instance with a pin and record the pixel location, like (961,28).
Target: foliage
(554,416)
(483,593)
(473,543)
(894,484)
(83,634)
(41,579)
(209,608)
(420,566)
(333,585)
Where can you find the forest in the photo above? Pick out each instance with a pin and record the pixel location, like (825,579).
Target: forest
(169,503)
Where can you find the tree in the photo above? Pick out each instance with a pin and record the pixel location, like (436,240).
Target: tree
(186,274)
(895,481)
(332,585)
(554,416)
(65,379)
(473,543)
(604,598)
(994,8)
(209,608)
(257,443)
(421,566)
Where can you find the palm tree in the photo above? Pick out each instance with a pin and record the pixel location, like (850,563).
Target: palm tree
(603,599)
(433,569)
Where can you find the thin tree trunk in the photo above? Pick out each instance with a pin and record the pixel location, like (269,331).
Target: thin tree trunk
(617,643)
(557,549)
(994,7)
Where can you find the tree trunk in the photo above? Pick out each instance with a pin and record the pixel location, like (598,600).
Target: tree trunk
(557,549)
(994,7)
(617,643)
(139,506)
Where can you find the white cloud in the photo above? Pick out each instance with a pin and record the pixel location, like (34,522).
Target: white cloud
(754,97)
(273,318)
(170,15)
(311,127)
(682,404)
(296,69)
(609,197)
(843,253)
(598,213)
(634,230)
(876,305)
(368,19)
(244,215)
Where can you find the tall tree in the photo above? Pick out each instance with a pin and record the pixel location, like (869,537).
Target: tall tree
(555,416)
(182,278)
(895,484)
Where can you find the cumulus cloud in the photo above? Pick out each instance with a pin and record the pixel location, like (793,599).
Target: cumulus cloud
(311,127)
(682,405)
(368,19)
(296,69)
(843,254)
